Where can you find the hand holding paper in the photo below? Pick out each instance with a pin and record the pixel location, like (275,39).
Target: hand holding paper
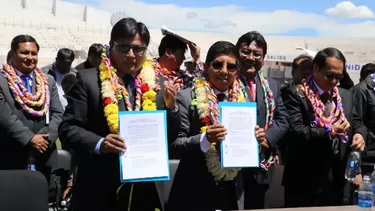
(146,156)
(260,134)
(216,133)
(240,148)
(113,143)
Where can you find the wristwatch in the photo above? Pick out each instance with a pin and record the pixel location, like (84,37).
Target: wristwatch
(175,109)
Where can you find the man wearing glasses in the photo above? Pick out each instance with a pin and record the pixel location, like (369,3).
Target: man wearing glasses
(272,117)
(320,135)
(89,131)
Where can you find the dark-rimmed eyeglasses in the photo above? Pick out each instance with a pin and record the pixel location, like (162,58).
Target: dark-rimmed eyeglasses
(332,76)
(125,48)
(246,52)
(218,65)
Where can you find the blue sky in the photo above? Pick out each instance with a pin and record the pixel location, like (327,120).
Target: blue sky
(309,18)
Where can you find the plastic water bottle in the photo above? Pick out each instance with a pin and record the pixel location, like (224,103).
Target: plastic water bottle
(353,165)
(31,162)
(365,195)
(65,204)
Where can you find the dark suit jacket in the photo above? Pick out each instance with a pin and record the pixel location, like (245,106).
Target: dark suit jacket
(18,128)
(275,132)
(310,148)
(50,69)
(192,174)
(364,116)
(84,124)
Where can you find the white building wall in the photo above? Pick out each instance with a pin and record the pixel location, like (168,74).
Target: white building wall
(56,24)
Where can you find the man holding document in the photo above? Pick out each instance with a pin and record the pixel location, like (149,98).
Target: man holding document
(124,81)
(200,182)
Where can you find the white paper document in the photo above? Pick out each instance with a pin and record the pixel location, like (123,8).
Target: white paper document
(240,147)
(146,156)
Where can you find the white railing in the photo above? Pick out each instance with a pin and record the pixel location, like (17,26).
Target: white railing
(44,24)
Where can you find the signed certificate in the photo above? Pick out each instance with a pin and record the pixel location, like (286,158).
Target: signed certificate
(240,147)
(146,156)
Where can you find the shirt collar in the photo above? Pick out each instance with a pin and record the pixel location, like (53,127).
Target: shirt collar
(121,75)
(320,90)
(19,73)
(245,79)
(54,68)
(218,92)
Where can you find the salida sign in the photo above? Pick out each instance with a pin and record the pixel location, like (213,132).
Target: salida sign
(276,57)
(353,67)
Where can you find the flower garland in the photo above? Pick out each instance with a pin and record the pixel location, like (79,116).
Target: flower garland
(269,102)
(208,110)
(35,105)
(173,76)
(310,90)
(113,90)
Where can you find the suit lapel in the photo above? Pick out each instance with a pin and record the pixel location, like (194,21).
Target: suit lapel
(121,105)
(261,112)
(6,91)
(33,84)
(159,96)
(260,93)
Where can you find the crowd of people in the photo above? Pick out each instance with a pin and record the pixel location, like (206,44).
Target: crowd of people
(310,126)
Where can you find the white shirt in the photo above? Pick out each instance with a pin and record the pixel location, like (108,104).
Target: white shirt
(204,143)
(59,77)
(321,91)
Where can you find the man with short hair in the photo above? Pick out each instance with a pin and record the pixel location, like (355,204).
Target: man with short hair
(201,184)
(272,116)
(301,68)
(363,117)
(93,57)
(58,69)
(90,122)
(30,111)
(366,70)
(320,116)
(171,56)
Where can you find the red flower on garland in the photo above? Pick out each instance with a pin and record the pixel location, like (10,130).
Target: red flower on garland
(106,101)
(145,88)
(206,120)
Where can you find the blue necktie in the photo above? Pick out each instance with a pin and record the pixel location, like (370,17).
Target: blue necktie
(26,82)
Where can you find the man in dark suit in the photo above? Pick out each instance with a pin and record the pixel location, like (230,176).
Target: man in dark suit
(301,69)
(28,124)
(363,116)
(272,116)
(87,131)
(194,186)
(320,135)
